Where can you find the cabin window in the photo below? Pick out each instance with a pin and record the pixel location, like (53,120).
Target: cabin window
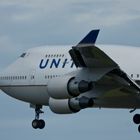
(32,77)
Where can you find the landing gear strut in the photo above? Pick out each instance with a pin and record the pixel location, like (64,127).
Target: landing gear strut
(136,120)
(36,123)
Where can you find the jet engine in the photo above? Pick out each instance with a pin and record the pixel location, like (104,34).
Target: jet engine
(68,106)
(66,87)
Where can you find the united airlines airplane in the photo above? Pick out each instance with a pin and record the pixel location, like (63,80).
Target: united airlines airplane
(71,78)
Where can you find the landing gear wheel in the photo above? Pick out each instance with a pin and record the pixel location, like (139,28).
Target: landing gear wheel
(136,119)
(41,124)
(35,124)
(139,128)
(38,124)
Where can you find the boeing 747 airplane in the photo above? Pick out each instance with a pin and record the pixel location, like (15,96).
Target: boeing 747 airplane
(68,79)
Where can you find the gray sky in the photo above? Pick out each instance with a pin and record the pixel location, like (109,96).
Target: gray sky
(30,23)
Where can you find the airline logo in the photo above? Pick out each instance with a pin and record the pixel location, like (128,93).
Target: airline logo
(56,63)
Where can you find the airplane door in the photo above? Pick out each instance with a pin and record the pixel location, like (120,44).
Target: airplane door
(32,77)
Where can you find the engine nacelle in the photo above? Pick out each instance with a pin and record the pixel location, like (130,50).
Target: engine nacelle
(66,87)
(68,106)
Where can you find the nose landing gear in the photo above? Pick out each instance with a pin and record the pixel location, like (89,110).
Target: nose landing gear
(36,123)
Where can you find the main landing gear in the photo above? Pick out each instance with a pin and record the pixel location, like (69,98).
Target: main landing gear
(36,123)
(136,120)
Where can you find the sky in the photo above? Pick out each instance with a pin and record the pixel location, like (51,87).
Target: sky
(29,23)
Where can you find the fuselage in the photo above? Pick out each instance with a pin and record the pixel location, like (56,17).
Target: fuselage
(28,77)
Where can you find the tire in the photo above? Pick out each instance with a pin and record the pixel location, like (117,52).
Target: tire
(41,124)
(139,128)
(136,119)
(35,124)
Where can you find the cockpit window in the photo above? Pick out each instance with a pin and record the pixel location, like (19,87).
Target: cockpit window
(23,55)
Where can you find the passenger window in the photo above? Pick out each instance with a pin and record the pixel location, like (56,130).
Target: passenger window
(32,77)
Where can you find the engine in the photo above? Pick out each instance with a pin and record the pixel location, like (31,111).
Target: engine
(68,106)
(66,87)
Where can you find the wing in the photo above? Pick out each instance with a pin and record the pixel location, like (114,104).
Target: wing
(87,55)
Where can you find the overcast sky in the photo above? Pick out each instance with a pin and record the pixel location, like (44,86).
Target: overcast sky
(30,23)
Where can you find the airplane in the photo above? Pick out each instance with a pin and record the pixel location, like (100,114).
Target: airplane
(68,79)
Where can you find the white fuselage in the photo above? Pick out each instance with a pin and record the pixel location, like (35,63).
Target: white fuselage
(28,77)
